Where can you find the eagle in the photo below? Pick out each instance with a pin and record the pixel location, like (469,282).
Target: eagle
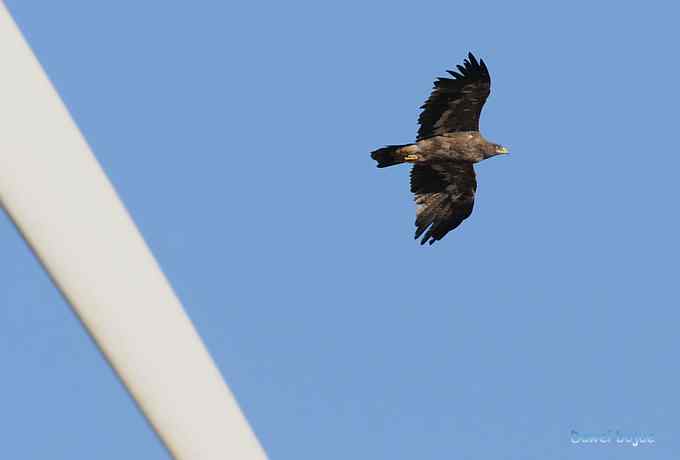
(448,145)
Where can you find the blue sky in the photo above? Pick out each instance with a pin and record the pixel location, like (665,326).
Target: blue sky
(238,135)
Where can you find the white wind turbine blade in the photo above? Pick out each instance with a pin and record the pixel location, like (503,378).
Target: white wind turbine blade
(63,204)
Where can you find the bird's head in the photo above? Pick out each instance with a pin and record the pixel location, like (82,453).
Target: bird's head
(495,149)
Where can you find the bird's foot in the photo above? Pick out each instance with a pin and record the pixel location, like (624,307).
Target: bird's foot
(411,158)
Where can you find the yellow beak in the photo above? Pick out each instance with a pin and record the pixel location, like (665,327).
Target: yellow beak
(503,150)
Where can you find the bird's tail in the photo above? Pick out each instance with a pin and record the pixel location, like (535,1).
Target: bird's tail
(391,155)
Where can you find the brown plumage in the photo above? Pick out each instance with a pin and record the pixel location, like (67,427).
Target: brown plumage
(448,144)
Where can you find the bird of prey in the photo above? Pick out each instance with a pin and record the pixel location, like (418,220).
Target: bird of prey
(448,144)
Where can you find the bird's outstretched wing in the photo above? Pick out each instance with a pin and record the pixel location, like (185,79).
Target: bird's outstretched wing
(445,195)
(456,103)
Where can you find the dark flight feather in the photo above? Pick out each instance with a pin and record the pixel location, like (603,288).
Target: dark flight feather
(455,104)
(445,196)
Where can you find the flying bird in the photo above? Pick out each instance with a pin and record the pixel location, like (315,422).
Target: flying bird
(448,144)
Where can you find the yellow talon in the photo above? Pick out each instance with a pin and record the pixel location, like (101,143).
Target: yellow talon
(411,158)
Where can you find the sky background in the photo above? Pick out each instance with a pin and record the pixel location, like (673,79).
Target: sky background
(238,135)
